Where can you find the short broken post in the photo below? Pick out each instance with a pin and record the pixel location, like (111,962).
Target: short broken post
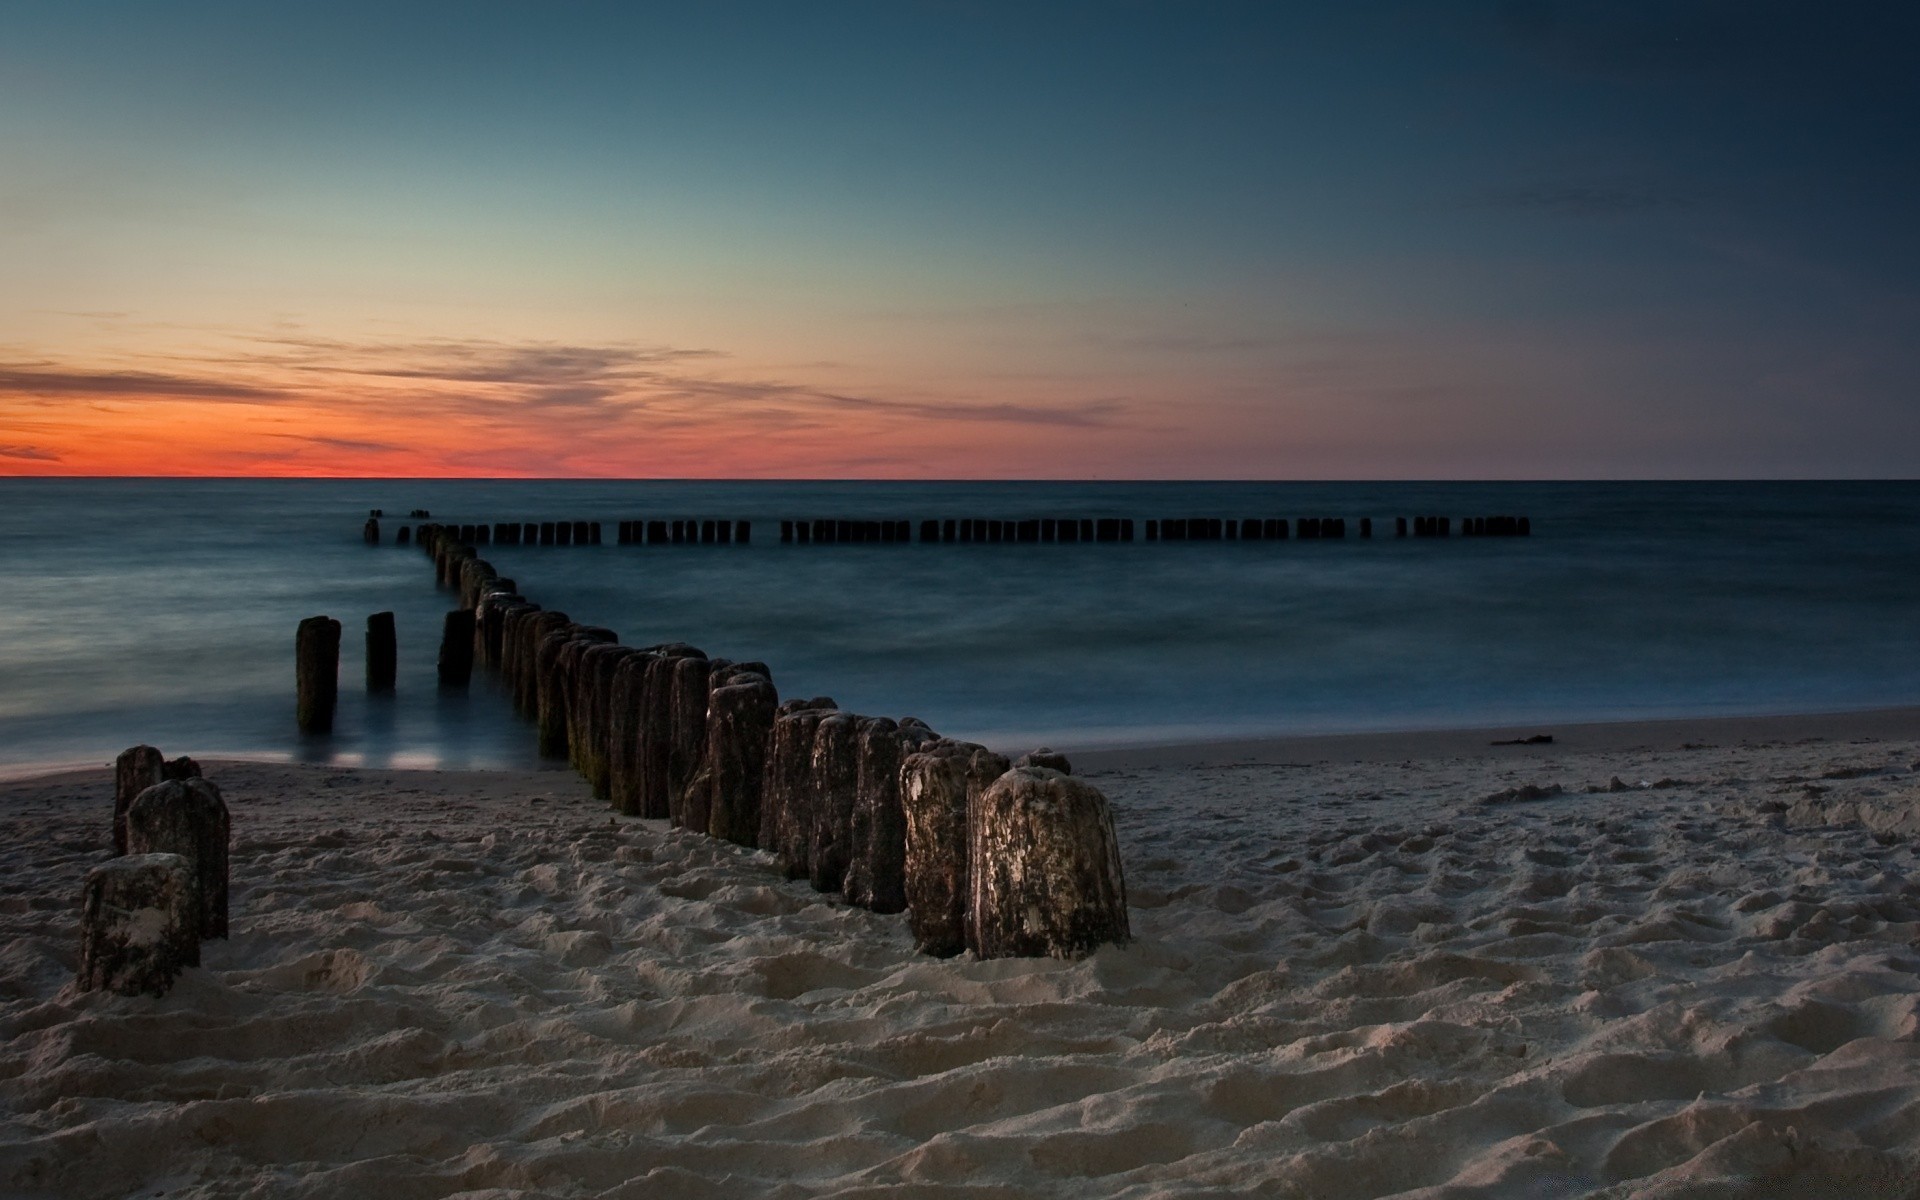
(138,925)
(1043,868)
(188,817)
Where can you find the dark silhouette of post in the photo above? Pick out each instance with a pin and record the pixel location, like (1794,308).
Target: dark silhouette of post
(316,657)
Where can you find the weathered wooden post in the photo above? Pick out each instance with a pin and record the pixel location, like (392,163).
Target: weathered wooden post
(657,729)
(383,653)
(1043,868)
(187,817)
(1051,759)
(740,715)
(835,784)
(316,664)
(877,857)
(456,649)
(137,769)
(371,531)
(786,809)
(560,657)
(687,739)
(590,714)
(533,633)
(139,925)
(939,783)
(626,731)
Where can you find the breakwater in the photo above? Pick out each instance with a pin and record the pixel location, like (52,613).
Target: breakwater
(824,531)
(985,854)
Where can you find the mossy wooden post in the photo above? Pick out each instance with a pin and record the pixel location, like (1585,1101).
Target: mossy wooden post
(739,726)
(1043,868)
(188,817)
(383,652)
(456,649)
(786,808)
(138,925)
(316,657)
(876,865)
(835,784)
(939,784)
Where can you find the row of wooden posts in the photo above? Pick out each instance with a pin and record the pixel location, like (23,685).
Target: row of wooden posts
(1001,858)
(830,531)
(144,913)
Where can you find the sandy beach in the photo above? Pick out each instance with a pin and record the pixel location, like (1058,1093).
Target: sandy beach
(1653,960)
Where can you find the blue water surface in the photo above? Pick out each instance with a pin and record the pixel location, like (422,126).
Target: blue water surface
(163,610)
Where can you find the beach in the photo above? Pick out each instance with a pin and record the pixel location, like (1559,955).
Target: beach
(1661,959)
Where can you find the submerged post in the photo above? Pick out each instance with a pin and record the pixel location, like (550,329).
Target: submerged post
(456,649)
(383,655)
(316,656)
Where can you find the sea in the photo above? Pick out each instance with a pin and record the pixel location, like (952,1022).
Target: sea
(163,610)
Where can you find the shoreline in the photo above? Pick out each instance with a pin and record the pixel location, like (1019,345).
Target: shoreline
(1369,746)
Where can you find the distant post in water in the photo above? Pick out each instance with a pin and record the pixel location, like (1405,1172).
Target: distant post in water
(383,654)
(316,655)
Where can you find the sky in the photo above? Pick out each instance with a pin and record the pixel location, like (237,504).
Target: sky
(1472,239)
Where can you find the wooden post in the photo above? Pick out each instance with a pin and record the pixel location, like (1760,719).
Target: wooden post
(624,731)
(456,649)
(138,925)
(938,785)
(316,659)
(1043,868)
(836,781)
(655,754)
(687,740)
(877,859)
(383,655)
(370,532)
(786,809)
(740,715)
(136,770)
(188,817)
(590,716)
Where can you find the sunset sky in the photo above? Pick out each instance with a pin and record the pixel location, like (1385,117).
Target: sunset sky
(1500,239)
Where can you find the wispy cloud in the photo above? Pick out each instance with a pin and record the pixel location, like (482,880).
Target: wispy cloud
(29,453)
(340,443)
(41,379)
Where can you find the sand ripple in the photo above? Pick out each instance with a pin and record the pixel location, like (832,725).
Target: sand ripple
(1347,982)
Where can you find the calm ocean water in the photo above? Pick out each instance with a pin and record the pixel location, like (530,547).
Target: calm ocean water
(163,610)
